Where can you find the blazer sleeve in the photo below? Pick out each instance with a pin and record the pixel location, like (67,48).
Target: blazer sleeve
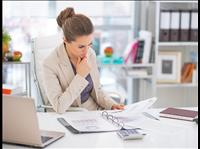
(103,99)
(61,100)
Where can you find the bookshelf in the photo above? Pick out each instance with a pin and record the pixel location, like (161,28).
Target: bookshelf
(183,91)
(134,83)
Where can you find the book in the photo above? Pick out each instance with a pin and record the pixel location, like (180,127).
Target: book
(105,121)
(130,52)
(181,114)
(187,72)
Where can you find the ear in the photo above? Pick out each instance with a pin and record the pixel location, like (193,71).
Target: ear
(66,41)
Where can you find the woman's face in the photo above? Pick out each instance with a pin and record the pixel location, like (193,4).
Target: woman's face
(79,47)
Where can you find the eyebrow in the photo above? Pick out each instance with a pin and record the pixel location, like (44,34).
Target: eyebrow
(84,45)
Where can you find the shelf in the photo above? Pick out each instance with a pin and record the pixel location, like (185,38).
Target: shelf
(126,65)
(173,2)
(15,62)
(177,43)
(140,77)
(177,85)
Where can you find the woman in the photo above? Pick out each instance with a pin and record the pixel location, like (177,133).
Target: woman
(70,72)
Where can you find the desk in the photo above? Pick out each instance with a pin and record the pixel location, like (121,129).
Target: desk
(164,133)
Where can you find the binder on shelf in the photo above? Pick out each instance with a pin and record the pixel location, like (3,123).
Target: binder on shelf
(174,25)
(194,26)
(185,24)
(140,50)
(164,25)
(147,37)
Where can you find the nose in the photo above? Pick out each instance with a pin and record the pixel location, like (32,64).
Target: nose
(86,49)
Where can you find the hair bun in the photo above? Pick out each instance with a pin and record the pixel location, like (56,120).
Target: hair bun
(65,14)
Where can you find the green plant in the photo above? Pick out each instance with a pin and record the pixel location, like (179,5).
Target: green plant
(6,37)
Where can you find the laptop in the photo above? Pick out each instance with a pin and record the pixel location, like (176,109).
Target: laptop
(20,123)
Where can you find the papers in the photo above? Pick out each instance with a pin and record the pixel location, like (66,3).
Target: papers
(137,108)
(134,112)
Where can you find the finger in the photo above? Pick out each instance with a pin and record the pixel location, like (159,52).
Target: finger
(79,60)
(121,107)
(118,107)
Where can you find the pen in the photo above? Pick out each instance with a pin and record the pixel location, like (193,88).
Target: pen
(150,116)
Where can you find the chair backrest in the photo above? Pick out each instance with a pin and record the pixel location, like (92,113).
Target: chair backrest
(42,47)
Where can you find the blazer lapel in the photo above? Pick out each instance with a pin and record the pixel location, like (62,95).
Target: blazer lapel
(66,67)
(92,74)
(65,64)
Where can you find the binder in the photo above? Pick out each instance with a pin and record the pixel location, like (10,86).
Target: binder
(140,51)
(174,25)
(108,123)
(147,37)
(185,24)
(164,25)
(194,26)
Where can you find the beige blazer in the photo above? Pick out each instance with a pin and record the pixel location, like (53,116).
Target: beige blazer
(63,88)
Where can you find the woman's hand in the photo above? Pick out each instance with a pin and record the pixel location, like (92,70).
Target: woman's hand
(82,67)
(117,107)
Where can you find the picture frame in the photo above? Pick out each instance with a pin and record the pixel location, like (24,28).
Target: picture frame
(169,67)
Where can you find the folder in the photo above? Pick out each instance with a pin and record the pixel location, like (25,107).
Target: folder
(174,25)
(185,24)
(194,26)
(164,25)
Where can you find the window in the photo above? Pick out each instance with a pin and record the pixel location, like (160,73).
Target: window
(28,19)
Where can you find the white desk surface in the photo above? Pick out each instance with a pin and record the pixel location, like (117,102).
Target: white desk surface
(163,133)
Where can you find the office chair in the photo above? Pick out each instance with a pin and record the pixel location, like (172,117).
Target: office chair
(41,47)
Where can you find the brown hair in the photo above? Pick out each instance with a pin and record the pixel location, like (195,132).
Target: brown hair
(74,25)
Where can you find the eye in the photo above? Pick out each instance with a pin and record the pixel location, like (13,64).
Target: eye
(81,47)
(90,44)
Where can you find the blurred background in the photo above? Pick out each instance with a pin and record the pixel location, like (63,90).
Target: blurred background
(117,25)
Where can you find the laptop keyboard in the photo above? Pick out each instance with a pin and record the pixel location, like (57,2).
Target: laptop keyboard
(45,138)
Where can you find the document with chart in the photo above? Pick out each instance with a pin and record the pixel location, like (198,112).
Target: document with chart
(88,122)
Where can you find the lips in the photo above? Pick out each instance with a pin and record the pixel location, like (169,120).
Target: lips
(83,55)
